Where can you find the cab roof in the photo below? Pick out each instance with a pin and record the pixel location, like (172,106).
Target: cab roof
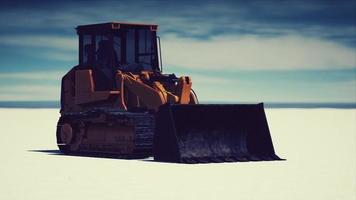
(103,27)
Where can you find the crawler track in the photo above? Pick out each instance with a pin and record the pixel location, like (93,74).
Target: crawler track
(142,141)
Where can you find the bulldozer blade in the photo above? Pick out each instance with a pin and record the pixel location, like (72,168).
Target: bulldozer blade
(206,133)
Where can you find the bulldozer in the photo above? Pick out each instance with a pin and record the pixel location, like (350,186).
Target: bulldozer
(117,101)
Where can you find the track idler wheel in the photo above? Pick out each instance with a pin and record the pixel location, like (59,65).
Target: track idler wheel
(66,134)
(69,136)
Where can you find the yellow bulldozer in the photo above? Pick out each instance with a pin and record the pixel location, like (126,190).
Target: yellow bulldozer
(118,102)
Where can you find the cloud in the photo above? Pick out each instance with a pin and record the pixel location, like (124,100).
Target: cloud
(33,75)
(284,91)
(219,39)
(191,19)
(256,53)
(255,20)
(63,43)
(30,86)
(228,52)
(34,86)
(223,52)
(48,47)
(59,56)
(29,92)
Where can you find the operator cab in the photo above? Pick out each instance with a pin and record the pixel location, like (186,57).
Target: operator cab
(108,47)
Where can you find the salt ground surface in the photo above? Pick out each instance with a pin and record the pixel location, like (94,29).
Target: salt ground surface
(320,145)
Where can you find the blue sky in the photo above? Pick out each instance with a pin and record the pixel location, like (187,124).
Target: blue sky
(235,51)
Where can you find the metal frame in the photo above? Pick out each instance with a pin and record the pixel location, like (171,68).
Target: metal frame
(112,28)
